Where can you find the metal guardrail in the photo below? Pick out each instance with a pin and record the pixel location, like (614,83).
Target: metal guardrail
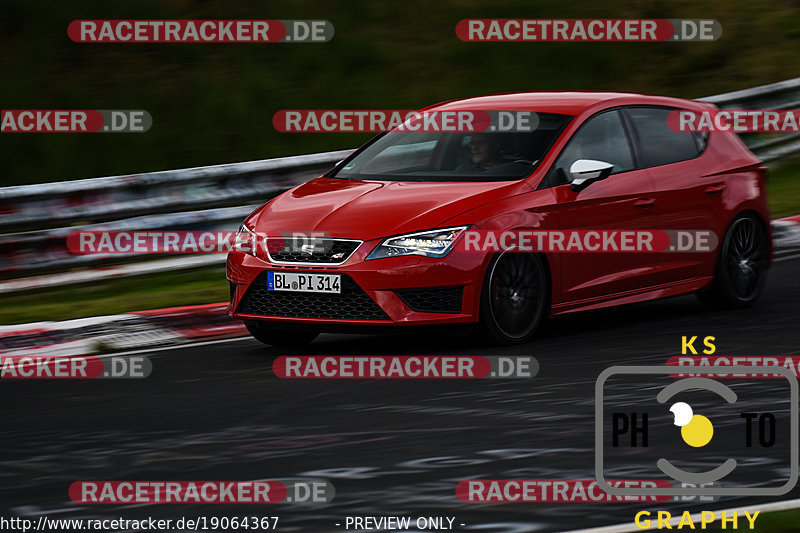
(37,218)
(114,197)
(770,147)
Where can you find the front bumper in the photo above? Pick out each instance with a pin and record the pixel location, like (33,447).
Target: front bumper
(394,291)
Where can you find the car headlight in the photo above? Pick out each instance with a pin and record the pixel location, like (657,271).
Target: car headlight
(430,243)
(245,241)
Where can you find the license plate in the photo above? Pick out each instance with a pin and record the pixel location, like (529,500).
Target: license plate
(296,282)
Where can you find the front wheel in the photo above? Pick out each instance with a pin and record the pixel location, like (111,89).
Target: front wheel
(515,298)
(279,337)
(741,270)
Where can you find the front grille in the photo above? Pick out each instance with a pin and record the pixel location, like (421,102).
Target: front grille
(432,300)
(318,250)
(352,304)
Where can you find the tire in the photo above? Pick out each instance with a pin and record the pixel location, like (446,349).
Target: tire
(515,298)
(279,337)
(741,270)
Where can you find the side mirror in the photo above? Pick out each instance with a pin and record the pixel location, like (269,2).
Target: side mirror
(584,172)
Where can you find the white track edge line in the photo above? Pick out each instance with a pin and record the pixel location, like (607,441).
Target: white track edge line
(172,347)
(785,505)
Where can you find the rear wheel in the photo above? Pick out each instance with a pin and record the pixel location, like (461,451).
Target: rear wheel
(515,298)
(741,270)
(279,337)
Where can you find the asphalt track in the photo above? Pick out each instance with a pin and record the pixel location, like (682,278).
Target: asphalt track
(390,447)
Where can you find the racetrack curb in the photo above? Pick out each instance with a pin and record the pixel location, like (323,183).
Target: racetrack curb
(151,328)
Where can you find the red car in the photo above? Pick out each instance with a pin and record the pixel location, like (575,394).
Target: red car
(392,215)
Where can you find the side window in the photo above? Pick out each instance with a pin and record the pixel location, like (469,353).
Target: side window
(658,143)
(602,138)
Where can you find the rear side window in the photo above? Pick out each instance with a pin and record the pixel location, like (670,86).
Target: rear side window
(658,144)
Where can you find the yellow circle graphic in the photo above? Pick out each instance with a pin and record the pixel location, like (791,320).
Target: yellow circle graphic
(698,431)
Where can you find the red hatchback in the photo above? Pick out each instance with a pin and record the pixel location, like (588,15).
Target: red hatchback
(387,222)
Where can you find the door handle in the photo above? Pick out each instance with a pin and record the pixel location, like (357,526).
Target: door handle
(717,187)
(645,202)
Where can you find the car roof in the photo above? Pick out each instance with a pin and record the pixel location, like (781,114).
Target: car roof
(565,102)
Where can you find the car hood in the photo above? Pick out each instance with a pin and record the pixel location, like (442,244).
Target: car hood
(355,209)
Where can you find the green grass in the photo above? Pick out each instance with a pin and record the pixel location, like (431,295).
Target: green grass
(783,189)
(778,522)
(152,291)
(213,103)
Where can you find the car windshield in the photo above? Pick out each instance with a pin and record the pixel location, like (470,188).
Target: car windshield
(454,156)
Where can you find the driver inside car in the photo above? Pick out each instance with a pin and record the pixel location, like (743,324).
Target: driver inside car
(484,152)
